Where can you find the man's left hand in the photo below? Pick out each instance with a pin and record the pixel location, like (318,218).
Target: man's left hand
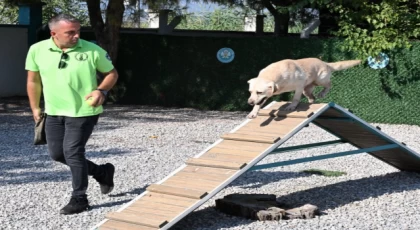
(97,98)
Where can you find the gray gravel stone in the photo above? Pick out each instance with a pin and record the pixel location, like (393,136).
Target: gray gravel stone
(148,143)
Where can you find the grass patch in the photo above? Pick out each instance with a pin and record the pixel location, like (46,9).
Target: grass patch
(324,172)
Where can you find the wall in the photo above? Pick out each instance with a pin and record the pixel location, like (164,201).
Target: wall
(13,47)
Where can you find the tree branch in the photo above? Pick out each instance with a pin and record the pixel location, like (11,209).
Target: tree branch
(270,7)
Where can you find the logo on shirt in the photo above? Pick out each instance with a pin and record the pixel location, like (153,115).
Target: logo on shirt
(108,57)
(81,57)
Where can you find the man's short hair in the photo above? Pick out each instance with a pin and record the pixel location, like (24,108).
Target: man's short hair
(62,17)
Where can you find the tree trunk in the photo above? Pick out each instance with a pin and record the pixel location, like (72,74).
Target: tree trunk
(281,20)
(108,33)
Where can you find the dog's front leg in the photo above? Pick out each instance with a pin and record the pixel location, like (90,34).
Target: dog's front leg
(253,114)
(296,99)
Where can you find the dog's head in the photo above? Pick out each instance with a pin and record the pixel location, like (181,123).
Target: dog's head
(260,90)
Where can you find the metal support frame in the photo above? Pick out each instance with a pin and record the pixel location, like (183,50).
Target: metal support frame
(319,144)
(306,146)
(322,157)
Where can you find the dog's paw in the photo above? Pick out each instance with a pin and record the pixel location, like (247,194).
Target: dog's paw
(251,116)
(321,94)
(290,107)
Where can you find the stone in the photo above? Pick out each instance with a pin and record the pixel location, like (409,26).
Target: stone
(306,211)
(262,207)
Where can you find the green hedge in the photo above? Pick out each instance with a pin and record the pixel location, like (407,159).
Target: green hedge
(184,72)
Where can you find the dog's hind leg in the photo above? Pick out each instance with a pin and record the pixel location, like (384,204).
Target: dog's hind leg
(308,92)
(324,81)
(326,89)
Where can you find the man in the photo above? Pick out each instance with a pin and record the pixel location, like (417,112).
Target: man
(66,66)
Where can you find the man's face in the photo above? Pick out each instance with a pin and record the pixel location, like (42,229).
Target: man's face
(66,34)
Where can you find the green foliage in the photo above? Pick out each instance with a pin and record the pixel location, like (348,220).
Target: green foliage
(324,172)
(295,27)
(223,19)
(370,28)
(77,8)
(8,13)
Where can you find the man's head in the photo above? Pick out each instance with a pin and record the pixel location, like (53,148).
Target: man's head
(65,30)
(260,91)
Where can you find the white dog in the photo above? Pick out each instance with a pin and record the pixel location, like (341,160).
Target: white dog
(300,75)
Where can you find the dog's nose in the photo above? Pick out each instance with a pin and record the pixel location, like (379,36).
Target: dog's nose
(251,102)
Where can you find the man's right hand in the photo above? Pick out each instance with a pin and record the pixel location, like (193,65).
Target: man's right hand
(36,114)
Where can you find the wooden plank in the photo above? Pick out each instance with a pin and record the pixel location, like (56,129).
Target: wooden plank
(260,133)
(302,110)
(207,176)
(279,131)
(149,221)
(281,113)
(270,132)
(207,170)
(192,184)
(224,157)
(248,145)
(300,107)
(237,152)
(278,121)
(189,185)
(169,199)
(250,138)
(139,211)
(118,225)
(182,192)
(242,146)
(197,181)
(155,205)
(278,104)
(216,164)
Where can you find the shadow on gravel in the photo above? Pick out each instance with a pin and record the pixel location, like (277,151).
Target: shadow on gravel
(209,218)
(326,197)
(108,152)
(256,179)
(346,192)
(34,177)
(111,204)
(136,191)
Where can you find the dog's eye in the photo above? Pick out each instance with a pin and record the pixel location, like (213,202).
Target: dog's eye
(259,92)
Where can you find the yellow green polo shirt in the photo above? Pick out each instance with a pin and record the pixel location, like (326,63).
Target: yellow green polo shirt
(65,88)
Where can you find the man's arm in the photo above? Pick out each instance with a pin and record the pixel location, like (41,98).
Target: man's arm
(109,80)
(107,83)
(34,87)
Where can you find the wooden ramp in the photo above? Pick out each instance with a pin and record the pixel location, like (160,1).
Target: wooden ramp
(165,203)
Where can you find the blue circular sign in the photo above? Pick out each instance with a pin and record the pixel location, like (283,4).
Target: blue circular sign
(379,61)
(225,55)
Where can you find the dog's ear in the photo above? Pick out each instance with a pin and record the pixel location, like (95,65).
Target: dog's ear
(272,87)
(251,80)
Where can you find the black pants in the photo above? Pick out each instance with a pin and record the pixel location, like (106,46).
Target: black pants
(66,140)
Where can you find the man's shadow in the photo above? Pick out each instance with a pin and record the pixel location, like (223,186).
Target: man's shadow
(136,191)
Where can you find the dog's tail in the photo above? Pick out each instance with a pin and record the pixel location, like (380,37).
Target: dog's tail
(342,65)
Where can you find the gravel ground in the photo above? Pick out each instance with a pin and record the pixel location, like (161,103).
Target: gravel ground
(148,143)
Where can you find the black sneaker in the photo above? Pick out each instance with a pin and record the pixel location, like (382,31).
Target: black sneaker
(77,204)
(106,182)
